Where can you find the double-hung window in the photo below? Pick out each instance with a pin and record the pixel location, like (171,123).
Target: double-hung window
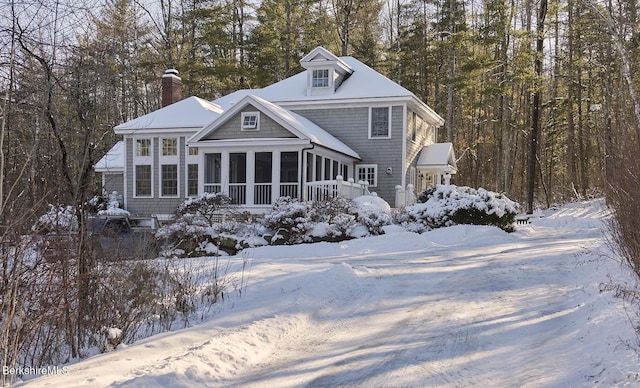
(380,122)
(142,170)
(192,171)
(169,167)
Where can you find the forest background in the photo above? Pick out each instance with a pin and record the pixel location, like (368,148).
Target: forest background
(539,98)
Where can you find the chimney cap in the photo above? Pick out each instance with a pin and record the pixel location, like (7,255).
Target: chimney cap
(171,73)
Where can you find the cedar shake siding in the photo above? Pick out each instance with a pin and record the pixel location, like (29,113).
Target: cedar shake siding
(156,203)
(232,128)
(424,135)
(351,125)
(113,182)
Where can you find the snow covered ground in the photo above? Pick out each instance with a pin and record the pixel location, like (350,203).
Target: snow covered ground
(454,307)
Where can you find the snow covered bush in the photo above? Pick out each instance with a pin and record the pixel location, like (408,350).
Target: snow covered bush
(290,220)
(58,219)
(114,206)
(338,219)
(207,225)
(373,213)
(447,205)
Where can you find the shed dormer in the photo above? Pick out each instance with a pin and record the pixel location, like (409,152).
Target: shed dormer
(325,72)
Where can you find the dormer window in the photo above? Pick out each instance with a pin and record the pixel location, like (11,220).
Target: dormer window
(250,121)
(320,78)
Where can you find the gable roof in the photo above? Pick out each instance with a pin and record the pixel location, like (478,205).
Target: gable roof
(113,160)
(437,157)
(189,114)
(293,122)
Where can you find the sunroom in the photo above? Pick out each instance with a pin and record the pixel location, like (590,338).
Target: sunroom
(257,152)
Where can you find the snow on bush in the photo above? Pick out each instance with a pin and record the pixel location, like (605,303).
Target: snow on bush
(58,219)
(447,205)
(114,207)
(206,225)
(373,213)
(338,219)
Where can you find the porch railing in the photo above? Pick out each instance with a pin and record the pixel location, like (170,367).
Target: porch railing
(262,194)
(289,190)
(324,190)
(212,187)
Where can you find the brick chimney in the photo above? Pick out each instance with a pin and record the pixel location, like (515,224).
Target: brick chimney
(171,87)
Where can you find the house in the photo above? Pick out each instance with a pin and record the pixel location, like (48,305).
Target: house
(338,120)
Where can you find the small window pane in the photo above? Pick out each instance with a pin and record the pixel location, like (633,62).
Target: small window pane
(193,151)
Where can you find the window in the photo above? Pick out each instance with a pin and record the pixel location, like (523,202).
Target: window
(192,180)
(169,179)
(212,173)
(250,120)
(143,180)
(263,178)
(379,120)
(170,147)
(289,174)
(238,177)
(318,176)
(327,169)
(193,151)
(143,147)
(289,167)
(320,78)
(367,173)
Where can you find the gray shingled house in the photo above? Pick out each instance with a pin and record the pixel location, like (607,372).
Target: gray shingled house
(337,128)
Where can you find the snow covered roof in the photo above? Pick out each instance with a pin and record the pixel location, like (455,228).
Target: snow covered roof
(113,160)
(363,83)
(293,122)
(438,157)
(191,113)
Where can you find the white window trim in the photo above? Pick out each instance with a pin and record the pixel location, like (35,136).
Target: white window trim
(255,127)
(367,166)
(139,161)
(164,160)
(371,123)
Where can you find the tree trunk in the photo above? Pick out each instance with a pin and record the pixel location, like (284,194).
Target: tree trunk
(536,119)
